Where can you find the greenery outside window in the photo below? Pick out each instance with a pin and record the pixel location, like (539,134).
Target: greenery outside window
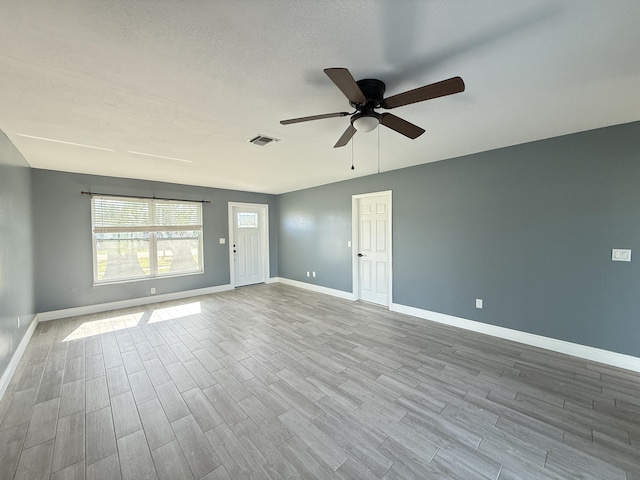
(136,238)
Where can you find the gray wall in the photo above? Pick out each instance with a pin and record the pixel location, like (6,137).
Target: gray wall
(528,228)
(63,251)
(16,250)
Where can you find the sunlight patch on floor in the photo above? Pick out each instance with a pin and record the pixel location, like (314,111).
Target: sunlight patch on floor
(170,313)
(104,325)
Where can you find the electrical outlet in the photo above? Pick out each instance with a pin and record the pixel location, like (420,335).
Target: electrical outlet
(307,274)
(153,290)
(478,303)
(313,274)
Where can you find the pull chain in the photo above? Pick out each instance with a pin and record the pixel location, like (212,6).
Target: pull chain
(352,167)
(378,129)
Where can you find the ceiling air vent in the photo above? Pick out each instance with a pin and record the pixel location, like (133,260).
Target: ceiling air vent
(262,140)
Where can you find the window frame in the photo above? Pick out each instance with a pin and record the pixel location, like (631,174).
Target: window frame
(152,229)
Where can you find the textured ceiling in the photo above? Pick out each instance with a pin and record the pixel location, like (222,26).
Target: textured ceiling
(193,80)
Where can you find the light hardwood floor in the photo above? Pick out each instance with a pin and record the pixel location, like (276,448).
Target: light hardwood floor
(275,382)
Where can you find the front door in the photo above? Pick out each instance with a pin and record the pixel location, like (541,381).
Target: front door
(248,244)
(374,238)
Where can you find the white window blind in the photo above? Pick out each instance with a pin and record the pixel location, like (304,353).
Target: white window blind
(144,238)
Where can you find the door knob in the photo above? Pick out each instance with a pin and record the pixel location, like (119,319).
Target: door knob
(361,255)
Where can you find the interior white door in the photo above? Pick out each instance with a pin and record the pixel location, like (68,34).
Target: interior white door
(248,245)
(374,237)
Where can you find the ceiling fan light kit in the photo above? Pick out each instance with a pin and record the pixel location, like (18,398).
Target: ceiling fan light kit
(368,94)
(365,122)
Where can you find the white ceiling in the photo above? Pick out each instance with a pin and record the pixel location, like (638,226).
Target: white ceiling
(193,80)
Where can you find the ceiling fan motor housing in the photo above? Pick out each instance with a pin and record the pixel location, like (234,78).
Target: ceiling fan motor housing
(373,91)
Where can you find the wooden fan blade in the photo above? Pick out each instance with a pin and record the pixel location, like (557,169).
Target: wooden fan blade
(313,117)
(435,90)
(346,136)
(347,85)
(401,126)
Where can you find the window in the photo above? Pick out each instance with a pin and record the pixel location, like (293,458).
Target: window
(143,238)
(247,220)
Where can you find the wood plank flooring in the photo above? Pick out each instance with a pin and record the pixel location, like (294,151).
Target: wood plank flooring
(274,382)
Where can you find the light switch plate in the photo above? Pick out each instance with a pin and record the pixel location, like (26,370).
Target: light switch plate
(223,241)
(479,303)
(620,255)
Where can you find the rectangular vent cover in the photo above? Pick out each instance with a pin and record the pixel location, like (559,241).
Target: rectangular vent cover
(262,140)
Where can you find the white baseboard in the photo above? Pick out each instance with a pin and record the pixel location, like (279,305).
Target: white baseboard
(315,288)
(272,280)
(582,351)
(134,302)
(17,355)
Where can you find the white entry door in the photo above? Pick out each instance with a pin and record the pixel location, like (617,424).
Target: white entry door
(374,248)
(249,247)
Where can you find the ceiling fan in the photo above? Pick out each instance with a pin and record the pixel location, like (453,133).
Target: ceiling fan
(368,94)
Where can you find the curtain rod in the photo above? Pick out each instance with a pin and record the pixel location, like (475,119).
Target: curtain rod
(145,198)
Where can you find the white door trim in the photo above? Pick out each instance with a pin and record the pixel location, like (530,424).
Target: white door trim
(355,243)
(264,243)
